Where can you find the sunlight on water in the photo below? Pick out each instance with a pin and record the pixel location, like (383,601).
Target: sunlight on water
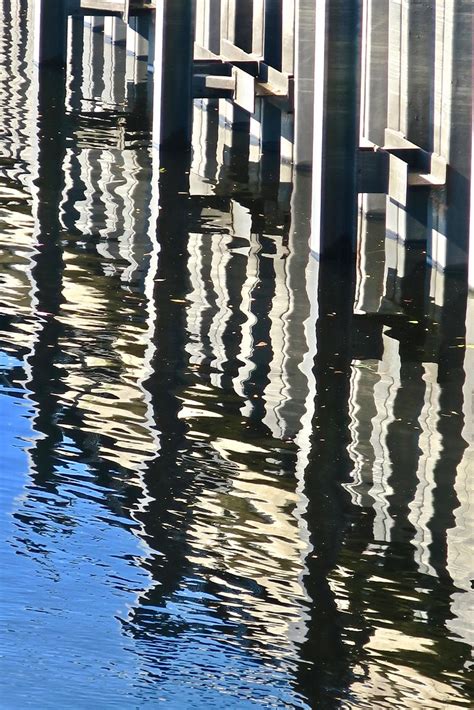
(212,495)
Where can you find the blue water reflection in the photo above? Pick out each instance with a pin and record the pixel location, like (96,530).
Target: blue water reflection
(73,575)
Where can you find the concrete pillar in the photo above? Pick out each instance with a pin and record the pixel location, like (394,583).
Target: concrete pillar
(288,19)
(271,118)
(137,49)
(273,33)
(115,30)
(137,37)
(411,66)
(449,213)
(258,27)
(375,36)
(417,70)
(50,32)
(97,23)
(336,128)
(208,24)
(172,101)
(372,218)
(304,83)
(243,29)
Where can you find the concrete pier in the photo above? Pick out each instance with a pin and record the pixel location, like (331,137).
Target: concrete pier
(373,96)
(335,128)
(172,74)
(50,43)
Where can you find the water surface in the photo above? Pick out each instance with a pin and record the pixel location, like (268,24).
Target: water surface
(231,476)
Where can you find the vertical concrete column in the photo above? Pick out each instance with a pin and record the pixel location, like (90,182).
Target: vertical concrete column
(200,22)
(50,32)
(374,62)
(208,24)
(304,82)
(137,48)
(137,37)
(258,27)
(410,112)
(449,212)
(394,66)
(288,17)
(213,18)
(115,30)
(336,127)
(411,69)
(172,102)
(271,118)
(243,25)
(417,65)
(373,122)
(228,19)
(273,33)
(108,28)
(97,23)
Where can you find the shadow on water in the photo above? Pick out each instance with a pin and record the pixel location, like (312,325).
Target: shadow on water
(223,484)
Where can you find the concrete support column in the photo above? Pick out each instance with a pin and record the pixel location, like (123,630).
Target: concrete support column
(137,37)
(213,24)
(172,102)
(208,24)
(115,30)
(258,27)
(137,32)
(411,69)
(50,32)
(374,96)
(448,217)
(373,122)
(97,23)
(273,33)
(336,128)
(227,22)
(394,68)
(417,71)
(288,17)
(410,112)
(304,82)
(243,25)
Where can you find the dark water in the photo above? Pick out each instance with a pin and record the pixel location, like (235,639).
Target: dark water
(220,488)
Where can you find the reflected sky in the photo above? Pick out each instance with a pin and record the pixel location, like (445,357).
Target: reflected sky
(232,476)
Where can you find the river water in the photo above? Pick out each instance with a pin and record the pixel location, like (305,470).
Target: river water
(231,476)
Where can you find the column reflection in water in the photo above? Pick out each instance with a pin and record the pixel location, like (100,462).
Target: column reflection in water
(244,480)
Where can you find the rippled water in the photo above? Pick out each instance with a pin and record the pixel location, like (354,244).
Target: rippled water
(220,488)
